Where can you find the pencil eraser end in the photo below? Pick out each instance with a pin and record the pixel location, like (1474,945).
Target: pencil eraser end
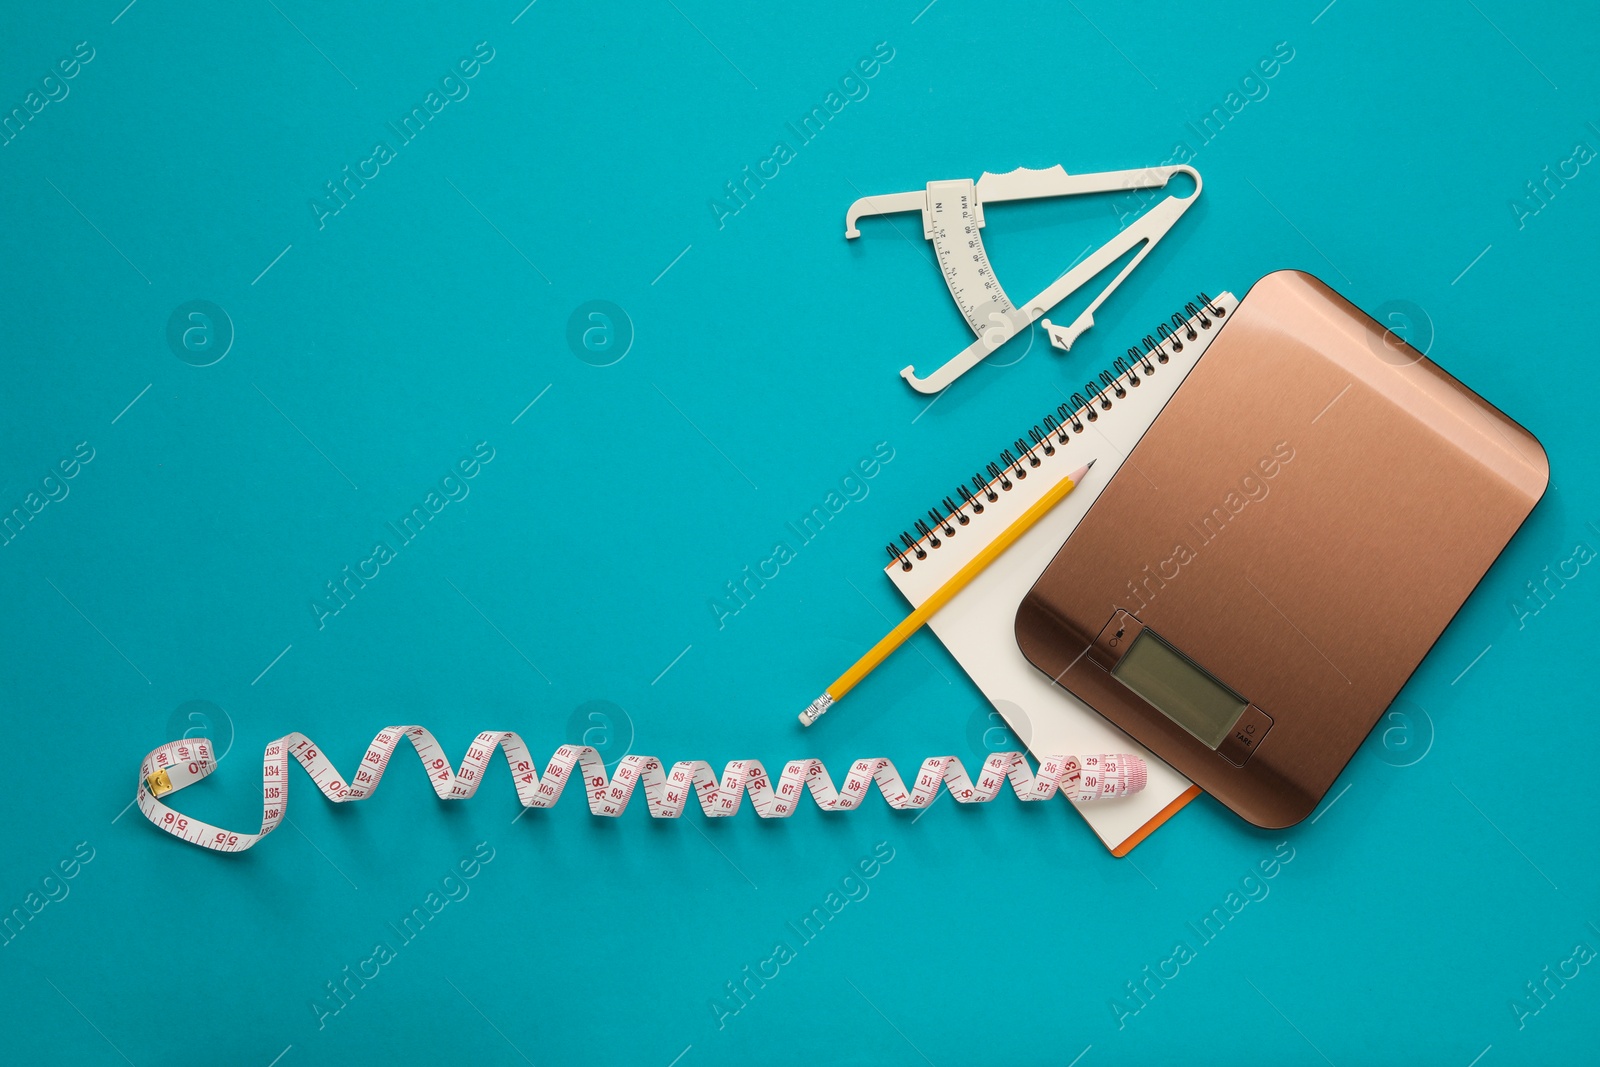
(816,709)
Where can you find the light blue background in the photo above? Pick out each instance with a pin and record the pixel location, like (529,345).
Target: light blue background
(432,309)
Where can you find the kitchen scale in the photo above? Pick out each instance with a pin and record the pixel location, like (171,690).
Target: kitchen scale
(1280,550)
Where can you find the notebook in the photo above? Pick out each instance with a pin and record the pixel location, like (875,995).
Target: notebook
(1102,423)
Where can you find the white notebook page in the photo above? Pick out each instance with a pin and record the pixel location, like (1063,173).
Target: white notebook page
(977,626)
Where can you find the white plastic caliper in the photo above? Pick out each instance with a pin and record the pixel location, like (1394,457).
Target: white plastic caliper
(952,216)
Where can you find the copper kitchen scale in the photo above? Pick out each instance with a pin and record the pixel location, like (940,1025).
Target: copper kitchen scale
(1281,548)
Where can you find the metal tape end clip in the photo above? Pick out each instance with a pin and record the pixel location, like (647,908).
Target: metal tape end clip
(158,784)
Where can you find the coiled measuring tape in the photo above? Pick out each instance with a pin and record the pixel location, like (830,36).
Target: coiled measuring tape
(180,764)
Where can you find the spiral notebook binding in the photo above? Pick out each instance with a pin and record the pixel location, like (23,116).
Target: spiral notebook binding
(1131,370)
(1051,433)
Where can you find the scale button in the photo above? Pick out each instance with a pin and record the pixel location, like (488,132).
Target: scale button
(1241,742)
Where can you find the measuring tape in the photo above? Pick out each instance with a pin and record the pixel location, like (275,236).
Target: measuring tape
(180,764)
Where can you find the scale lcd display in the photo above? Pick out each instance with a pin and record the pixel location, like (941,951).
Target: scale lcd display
(1178,689)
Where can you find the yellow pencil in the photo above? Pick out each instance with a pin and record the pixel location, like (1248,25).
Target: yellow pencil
(946,592)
